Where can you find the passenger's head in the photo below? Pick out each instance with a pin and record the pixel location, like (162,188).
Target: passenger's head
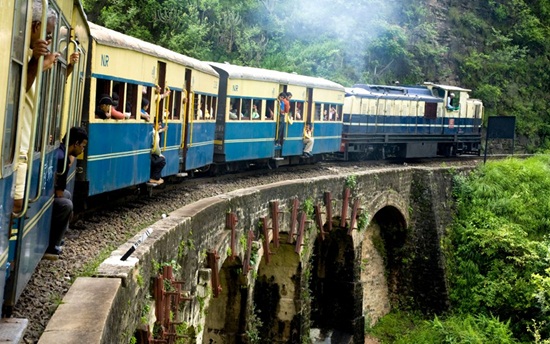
(37,22)
(145,104)
(115,99)
(452,95)
(288,95)
(282,95)
(105,103)
(78,139)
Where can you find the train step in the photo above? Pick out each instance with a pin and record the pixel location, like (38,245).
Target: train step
(13,329)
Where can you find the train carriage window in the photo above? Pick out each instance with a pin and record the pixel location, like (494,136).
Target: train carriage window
(256,113)
(64,40)
(202,107)
(198,106)
(168,106)
(340,111)
(130,100)
(103,87)
(296,109)
(235,110)
(119,98)
(214,107)
(246,109)
(56,103)
(54,83)
(455,100)
(318,111)
(333,114)
(209,108)
(176,104)
(51,105)
(8,149)
(270,110)
(15,73)
(146,92)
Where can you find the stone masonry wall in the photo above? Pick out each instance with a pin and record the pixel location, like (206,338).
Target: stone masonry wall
(187,234)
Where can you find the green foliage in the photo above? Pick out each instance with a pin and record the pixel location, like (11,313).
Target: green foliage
(308,207)
(145,313)
(253,326)
(351,181)
(254,255)
(404,328)
(158,267)
(362,221)
(243,242)
(498,249)
(499,49)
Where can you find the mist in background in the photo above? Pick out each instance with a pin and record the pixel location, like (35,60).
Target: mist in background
(328,35)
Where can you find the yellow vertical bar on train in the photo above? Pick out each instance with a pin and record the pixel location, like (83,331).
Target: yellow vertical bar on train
(184,117)
(192,118)
(166,108)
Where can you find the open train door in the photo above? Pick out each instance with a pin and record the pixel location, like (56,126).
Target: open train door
(187,97)
(308,107)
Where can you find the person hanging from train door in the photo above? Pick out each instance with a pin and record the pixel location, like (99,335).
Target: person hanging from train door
(39,47)
(62,202)
(282,119)
(308,141)
(158,161)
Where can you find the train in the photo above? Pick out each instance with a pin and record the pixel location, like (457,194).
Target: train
(35,116)
(219,117)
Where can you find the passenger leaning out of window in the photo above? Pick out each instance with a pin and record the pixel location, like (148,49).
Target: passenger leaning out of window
(103,110)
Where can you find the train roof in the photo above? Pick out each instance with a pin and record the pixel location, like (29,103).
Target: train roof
(252,73)
(116,39)
(447,87)
(416,93)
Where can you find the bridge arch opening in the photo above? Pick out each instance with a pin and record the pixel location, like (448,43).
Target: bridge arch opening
(277,294)
(334,311)
(226,317)
(389,236)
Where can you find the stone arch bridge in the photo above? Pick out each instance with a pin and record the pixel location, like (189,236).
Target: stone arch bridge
(268,264)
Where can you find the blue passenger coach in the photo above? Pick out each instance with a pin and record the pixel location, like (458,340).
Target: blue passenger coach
(34,123)
(247,124)
(410,121)
(118,153)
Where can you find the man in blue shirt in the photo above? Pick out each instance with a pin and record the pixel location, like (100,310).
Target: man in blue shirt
(62,204)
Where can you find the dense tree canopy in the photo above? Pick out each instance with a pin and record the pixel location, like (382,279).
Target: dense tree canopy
(497,48)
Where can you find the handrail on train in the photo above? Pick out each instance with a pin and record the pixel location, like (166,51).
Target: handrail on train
(191,118)
(45,137)
(34,122)
(183,117)
(166,108)
(277,117)
(156,121)
(71,112)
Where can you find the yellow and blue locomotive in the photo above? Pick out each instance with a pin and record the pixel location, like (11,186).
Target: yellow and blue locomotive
(410,121)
